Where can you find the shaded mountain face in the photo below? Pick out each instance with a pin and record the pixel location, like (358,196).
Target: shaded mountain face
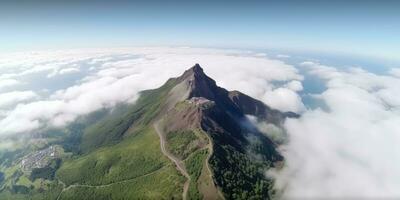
(188,139)
(195,115)
(228,108)
(241,154)
(198,84)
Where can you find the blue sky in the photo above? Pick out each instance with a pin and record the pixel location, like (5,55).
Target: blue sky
(367,28)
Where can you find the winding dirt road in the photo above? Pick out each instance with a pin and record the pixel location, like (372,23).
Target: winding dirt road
(210,172)
(179,164)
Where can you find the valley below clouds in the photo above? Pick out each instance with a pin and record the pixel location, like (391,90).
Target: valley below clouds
(349,147)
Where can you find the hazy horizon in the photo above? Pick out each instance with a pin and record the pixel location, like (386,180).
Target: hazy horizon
(364,28)
(322,79)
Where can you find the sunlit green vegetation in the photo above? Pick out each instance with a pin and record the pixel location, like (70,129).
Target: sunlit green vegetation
(238,175)
(123,159)
(181,143)
(16,185)
(162,184)
(194,165)
(47,172)
(131,158)
(49,190)
(115,154)
(111,129)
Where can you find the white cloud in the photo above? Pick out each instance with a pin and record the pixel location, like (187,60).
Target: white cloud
(275,133)
(395,72)
(351,149)
(260,54)
(70,70)
(26,117)
(284,99)
(8,83)
(113,79)
(346,150)
(97,60)
(295,86)
(39,68)
(282,56)
(15,97)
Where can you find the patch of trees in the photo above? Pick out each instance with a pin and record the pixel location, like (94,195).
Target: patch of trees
(19,189)
(47,172)
(194,166)
(7,157)
(238,175)
(180,143)
(1,178)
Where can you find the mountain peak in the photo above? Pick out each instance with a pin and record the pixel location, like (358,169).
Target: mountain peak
(196,70)
(198,83)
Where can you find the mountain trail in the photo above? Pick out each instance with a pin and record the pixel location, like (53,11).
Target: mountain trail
(210,172)
(179,164)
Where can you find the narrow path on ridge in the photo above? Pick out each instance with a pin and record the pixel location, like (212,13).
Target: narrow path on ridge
(179,164)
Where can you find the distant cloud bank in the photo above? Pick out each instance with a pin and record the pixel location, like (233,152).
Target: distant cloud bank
(83,81)
(348,148)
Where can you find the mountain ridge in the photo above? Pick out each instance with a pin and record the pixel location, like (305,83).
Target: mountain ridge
(218,113)
(188,139)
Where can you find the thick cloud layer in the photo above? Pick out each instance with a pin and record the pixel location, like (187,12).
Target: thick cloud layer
(351,149)
(11,98)
(73,83)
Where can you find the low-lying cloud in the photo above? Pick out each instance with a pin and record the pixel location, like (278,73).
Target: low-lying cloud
(15,97)
(350,150)
(104,78)
(4,83)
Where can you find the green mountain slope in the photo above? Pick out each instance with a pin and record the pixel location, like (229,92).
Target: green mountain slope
(188,139)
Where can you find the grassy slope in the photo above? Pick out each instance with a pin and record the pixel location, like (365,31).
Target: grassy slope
(194,165)
(184,144)
(111,130)
(7,195)
(163,184)
(123,153)
(137,160)
(191,145)
(131,158)
(112,151)
(22,185)
(19,186)
(107,150)
(205,184)
(181,143)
